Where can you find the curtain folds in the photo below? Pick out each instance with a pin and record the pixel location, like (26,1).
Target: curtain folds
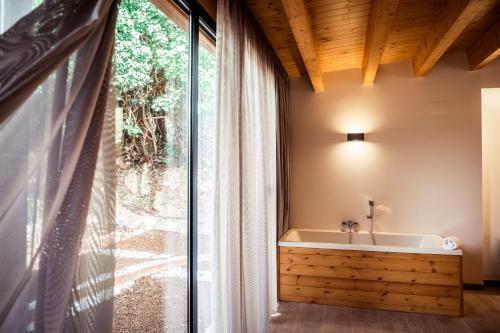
(282,158)
(33,47)
(252,88)
(58,169)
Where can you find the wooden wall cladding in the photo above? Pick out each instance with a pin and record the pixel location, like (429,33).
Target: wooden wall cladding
(422,283)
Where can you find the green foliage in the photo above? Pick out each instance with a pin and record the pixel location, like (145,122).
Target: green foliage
(147,41)
(130,128)
(151,72)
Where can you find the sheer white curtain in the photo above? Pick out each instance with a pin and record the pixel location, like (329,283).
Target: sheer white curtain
(245,207)
(57,166)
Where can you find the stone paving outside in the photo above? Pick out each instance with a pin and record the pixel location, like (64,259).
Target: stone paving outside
(151,262)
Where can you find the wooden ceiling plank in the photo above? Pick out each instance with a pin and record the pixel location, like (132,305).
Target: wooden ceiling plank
(339,29)
(210,7)
(381,18)
(486,49)
(452,22)
(300,22)
(348,13)
(332,5)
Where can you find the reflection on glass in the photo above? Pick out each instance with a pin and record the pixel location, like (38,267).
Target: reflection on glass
(206,163)
(151,77)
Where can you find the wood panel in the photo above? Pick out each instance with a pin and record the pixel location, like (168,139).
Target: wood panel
(367,305)
(381,18)
(387,287)
(371,274)
(374,297)
(300,23)
(390,264)
(339,30)
(272,19)
(426,283)
(484,20)
(450,24)
(371,254)
(179,17)
(486,49)
(413,20)
(210,7)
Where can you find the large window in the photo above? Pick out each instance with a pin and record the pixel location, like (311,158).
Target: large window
(165,100)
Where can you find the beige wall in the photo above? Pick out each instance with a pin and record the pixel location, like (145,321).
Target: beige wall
(420,162)
(490,104)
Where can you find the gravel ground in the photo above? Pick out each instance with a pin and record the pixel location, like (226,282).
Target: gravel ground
(140,308)
(156,300)
(155,303)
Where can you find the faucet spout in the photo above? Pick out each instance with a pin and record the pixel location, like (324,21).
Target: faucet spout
(352,226)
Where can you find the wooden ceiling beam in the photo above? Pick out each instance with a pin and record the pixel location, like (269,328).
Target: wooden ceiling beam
(452,22)
(486,49)
(382,15)
(300,22)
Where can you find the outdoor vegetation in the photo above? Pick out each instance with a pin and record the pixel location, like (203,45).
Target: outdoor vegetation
(151,61)
(151,72)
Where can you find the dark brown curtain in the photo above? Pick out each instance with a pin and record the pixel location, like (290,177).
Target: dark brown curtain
(58,169)
(282,159)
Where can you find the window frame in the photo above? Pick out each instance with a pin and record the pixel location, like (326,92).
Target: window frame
(199,21)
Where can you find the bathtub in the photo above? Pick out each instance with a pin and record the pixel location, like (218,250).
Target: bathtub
(336,268)
(386,242)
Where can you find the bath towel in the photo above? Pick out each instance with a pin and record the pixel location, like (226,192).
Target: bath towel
(451,243)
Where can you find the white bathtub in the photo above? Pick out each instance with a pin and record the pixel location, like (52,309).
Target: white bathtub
(334,239)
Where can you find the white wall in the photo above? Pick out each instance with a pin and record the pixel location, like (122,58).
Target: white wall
(490,104)
(420,162)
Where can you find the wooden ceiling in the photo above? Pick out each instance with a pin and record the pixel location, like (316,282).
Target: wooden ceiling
(317,36)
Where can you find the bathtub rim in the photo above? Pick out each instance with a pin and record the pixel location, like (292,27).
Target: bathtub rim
(362,247)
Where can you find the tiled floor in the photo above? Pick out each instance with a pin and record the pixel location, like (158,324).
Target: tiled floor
(482,314)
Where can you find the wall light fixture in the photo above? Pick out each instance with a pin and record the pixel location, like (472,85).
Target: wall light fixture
(355,136)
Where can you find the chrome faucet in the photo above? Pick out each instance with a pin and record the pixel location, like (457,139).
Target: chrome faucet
(352,226)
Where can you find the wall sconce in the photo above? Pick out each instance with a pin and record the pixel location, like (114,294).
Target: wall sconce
(355,136)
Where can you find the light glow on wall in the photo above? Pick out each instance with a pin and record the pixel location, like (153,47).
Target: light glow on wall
(353,117)
(355,156)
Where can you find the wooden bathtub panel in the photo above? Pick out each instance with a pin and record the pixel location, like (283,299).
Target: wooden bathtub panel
(371,274)
(405,265)
(385,287)
(423,283)
(370,254)
(365,305)
(372,297)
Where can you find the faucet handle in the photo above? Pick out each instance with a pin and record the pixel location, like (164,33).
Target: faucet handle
(344,226)
(355,226)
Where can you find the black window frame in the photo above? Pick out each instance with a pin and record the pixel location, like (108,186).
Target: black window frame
(199,20)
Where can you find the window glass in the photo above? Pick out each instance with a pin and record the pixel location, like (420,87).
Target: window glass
(206,163)
(151,77)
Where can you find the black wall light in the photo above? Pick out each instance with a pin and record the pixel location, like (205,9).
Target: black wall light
(355,136)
